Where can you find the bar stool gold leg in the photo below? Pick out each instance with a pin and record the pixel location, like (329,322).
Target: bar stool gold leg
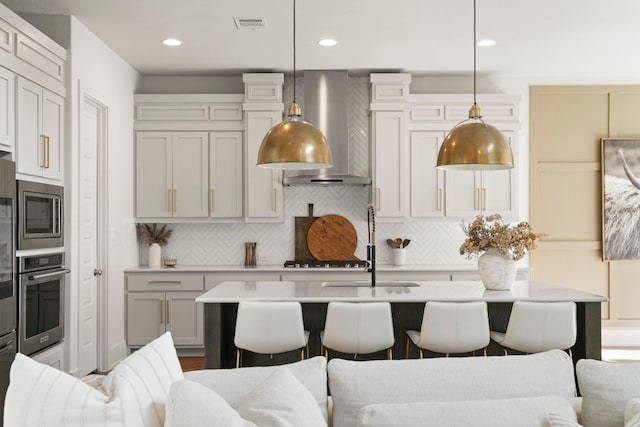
(420,353)
(390,353)
(238,357)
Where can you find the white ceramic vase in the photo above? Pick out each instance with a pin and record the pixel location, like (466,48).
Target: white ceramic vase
(155,255)
(398,256)
(497,271)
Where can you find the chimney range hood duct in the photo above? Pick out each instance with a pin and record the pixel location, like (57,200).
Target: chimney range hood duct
(326,106)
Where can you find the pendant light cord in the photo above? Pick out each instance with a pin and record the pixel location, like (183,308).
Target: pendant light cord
(474,52)
(294,51)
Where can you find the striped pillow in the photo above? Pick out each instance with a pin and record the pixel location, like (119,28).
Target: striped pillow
(137,390)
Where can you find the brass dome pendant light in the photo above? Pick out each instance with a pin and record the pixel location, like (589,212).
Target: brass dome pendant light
(294,143)
(474,144)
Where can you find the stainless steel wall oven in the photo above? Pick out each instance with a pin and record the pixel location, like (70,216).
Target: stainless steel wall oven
(41,281)
(40,215)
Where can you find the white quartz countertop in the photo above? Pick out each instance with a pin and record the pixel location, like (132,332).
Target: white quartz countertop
(279,268)
(315,291)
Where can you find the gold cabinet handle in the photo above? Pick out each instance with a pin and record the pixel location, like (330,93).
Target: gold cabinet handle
(439,199)
(484,199)
(175,199)
(48,151)
(168,321)
(43,163)
(160,311)
(169,200)
(477,204)
(275,200)
(212,203)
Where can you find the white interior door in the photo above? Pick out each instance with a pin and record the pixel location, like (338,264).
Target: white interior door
(89,274)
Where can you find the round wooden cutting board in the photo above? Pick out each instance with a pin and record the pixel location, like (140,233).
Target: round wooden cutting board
(332,238)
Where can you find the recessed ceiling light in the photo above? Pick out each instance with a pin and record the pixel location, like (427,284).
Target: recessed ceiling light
(486,42)
(171,42)
(327,42)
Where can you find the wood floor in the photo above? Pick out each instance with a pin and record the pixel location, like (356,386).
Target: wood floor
(191,363)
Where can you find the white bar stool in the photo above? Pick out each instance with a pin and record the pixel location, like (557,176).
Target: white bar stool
(539,326)
(269,328)
(451,327)
(358,328)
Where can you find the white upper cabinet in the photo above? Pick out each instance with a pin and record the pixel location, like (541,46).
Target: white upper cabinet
(171,174)
(407,132)
(264,191)
(427,182)
(471,193)
(40,131)
(264,195)
(189,157)
(391,171)
(7,110)
(225,174)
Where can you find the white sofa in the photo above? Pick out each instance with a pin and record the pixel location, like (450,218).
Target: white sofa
(149,389)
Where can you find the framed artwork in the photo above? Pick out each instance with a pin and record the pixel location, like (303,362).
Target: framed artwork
(620,199)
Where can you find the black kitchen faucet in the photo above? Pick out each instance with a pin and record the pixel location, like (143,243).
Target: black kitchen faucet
(371,247)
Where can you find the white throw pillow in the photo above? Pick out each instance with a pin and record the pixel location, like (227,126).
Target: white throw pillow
(191,404)
(356,384)
(136,391)
(606,387)
(521,412)
(632,413)
(234,384)
(278,401)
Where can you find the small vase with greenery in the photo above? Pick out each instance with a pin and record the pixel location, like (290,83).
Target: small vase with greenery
(155,236)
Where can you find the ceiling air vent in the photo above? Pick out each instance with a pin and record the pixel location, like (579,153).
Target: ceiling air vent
(250,23)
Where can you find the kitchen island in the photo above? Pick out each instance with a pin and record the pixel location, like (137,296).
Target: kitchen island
(407,307)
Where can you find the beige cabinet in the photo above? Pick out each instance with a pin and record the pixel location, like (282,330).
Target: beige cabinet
(7,110)
(172,174)
(225,174)
(165,302)
(40,131)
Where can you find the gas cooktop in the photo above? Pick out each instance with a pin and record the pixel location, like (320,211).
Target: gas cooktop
(327,264)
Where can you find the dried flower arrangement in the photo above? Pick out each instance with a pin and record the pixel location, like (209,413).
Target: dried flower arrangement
(151,233)
(492,233)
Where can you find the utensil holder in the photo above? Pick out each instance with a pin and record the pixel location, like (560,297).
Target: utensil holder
(399,256)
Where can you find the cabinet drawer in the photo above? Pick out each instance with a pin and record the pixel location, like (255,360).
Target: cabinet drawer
(160,112)
(40,57)
(225,112)
(165,282)
(427,112)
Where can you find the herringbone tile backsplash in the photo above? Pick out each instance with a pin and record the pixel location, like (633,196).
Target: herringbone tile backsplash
(223,244)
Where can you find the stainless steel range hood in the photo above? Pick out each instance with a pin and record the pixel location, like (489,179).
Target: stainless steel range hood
(326,105)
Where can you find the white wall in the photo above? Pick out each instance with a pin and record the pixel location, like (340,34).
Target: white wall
(97,70)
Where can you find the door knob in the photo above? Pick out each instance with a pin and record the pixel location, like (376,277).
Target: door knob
(97,272)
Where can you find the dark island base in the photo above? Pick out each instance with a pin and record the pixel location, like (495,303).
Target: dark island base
(220,319)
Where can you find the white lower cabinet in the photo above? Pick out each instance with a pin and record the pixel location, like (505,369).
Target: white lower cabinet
(165,302)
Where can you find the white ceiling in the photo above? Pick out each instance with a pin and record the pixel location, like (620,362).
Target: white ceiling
(581,38)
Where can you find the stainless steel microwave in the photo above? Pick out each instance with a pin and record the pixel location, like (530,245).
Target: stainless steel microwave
(40,215)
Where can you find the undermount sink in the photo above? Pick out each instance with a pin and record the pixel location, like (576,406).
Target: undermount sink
(360,284)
